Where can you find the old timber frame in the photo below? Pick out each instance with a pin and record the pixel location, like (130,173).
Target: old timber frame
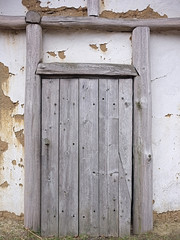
(142,153)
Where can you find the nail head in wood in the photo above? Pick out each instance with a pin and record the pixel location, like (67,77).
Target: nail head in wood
(33,17)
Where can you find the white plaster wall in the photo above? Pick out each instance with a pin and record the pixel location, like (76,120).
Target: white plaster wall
(12,8)
(76,47)
(12,49)
(168,7)
(165,59)
(165,55)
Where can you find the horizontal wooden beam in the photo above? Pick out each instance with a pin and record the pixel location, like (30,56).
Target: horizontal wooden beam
(89,23)
(85,69)
(104,24)
(12,22)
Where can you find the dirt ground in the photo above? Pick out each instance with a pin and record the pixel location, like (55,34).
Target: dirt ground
(11,229)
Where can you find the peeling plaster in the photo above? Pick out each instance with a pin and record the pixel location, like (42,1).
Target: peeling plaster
(14,162)
(146,13)
(93,46)
(103,47)
(35,5)
(61,54)
(168,115)
(53,54)
(3,146)
(6,108)
(19,118)
(20,165)
(4,184)
(20,136)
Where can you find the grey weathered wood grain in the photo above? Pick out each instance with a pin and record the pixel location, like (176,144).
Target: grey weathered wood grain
(50,155)
(33,17)
(102,24)
(93,7)
(86,69)
(32,128)
(142,199)
(125,156)
(108,157)
(68,158)
(88,157)
(12,22)
(115,25)
(103,158)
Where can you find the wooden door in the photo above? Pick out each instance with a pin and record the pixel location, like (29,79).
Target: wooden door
(86,156)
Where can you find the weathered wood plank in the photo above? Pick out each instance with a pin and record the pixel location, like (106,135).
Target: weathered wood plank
(50,155)
(125,156)
(142,198)
(102,24)
(12,22)
(113,25)
(86,69)
(103,158)
(88,157)
(93,7)
(32,128)
(68,158)
(108,157)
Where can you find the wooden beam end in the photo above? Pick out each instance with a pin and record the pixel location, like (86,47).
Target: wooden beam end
(33,17)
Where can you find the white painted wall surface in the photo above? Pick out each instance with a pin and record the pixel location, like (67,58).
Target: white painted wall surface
(12,49)
(76,47)
(165,58)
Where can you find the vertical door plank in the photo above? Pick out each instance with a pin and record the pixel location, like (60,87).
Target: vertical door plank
(50,118)
(125,155)
(143,192)
(88,157)
(108,157)
(68,158)
(32,128)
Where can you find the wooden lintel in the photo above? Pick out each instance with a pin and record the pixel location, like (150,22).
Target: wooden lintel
(89,69)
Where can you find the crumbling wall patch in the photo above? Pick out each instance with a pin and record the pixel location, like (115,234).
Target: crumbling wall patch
(146,13)
(61,11)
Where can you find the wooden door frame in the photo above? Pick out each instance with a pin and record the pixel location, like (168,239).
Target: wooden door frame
(142,152)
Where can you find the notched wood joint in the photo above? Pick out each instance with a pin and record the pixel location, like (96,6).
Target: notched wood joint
(33,17)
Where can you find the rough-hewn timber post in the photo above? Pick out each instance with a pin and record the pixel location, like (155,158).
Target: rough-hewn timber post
(142,153)
(32,122)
